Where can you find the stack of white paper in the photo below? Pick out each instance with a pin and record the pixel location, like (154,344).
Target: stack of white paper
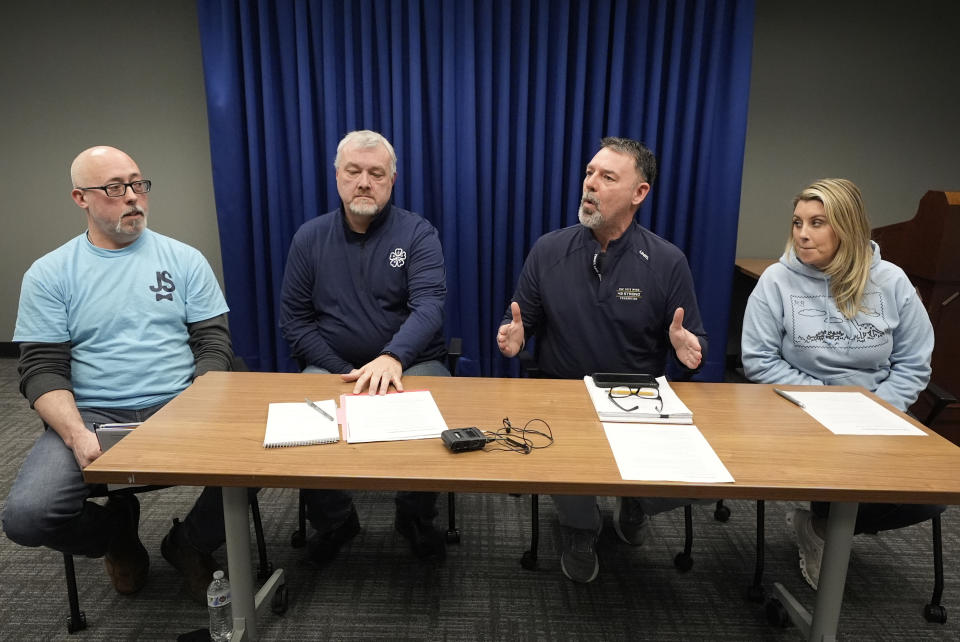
(669,409)
(852,413)
(647,452)
(391,417)
(665,453)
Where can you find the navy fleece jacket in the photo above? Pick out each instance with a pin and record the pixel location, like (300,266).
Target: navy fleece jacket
(349,297)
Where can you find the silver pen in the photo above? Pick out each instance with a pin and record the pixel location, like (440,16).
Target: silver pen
(318,409)
(789,397)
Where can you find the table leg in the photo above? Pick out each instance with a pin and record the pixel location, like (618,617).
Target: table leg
(822,627)
(833,571)
(238,562)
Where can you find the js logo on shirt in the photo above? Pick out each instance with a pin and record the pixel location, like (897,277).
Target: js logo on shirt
(164,287)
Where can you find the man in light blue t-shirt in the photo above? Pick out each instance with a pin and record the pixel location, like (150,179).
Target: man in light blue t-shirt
(112,325)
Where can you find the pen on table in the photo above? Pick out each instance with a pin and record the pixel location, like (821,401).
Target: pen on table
(318,409)
(789,398)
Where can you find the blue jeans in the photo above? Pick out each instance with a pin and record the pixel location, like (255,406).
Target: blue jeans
(327,509)
(49,505)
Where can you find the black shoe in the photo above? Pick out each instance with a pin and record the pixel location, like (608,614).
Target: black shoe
(127,561)
(196,566)
(578,556)
(323,547)
(425,540)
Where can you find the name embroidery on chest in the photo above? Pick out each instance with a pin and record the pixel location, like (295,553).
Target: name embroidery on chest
(629,294)
(165,287)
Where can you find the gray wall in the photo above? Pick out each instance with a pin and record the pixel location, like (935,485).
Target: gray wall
(77,74)
(865,90)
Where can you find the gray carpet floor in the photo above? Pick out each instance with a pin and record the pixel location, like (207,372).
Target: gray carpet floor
(375,590)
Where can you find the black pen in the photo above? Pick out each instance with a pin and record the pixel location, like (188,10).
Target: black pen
(789,398)
(318,409)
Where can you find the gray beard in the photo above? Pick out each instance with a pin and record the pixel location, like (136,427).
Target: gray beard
(590,221)
(362,209)
(138,226)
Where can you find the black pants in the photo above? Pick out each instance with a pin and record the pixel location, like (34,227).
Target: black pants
(873,518)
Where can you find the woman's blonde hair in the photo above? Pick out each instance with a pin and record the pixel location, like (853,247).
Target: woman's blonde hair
(849,269)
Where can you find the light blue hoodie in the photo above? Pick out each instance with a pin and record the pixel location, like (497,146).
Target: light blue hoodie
(793,332)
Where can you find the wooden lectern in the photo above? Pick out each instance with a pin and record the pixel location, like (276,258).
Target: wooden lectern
(927,248)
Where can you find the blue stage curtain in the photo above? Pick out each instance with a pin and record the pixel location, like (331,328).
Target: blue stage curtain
(494,108)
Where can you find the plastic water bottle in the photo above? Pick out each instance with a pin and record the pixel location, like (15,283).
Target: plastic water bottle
(218,606)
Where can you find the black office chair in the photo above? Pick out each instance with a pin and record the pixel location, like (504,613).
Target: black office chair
(299,537)
(78,619)
(683,560)
(933,611)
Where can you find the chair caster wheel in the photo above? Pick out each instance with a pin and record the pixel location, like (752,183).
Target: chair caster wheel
(755,593)
(453,536)
(776,614)
(935,613)
(279,602)
(683,562)
(298,539)
(721,514)
(81,623)
(529,561)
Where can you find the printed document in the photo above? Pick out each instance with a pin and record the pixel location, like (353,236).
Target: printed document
(391,417)
(659,405)
(853,413)
(653,452)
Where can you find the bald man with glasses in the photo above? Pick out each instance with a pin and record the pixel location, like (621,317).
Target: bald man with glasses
(111,326)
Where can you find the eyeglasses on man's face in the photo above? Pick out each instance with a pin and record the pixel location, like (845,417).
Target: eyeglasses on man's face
(116,190)
(625,392)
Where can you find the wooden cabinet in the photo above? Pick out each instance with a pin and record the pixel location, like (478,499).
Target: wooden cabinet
(927,247)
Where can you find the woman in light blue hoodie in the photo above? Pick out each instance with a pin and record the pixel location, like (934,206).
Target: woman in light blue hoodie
(831,312)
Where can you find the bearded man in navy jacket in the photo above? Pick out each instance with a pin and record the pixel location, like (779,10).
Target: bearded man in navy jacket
(363,296)
(606,296)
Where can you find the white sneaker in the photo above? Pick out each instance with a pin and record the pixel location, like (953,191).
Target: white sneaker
(809,544)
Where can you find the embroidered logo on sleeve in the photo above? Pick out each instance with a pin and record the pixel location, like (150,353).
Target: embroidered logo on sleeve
(818,324)
(629,294)
(398,257)
(164,287)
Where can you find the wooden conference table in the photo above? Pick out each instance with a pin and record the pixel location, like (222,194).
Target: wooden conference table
(212,435)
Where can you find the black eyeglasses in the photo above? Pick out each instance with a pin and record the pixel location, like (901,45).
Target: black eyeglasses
(119,189)
(623,392)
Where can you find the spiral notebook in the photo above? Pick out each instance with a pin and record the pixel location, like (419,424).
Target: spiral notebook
(298,424)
